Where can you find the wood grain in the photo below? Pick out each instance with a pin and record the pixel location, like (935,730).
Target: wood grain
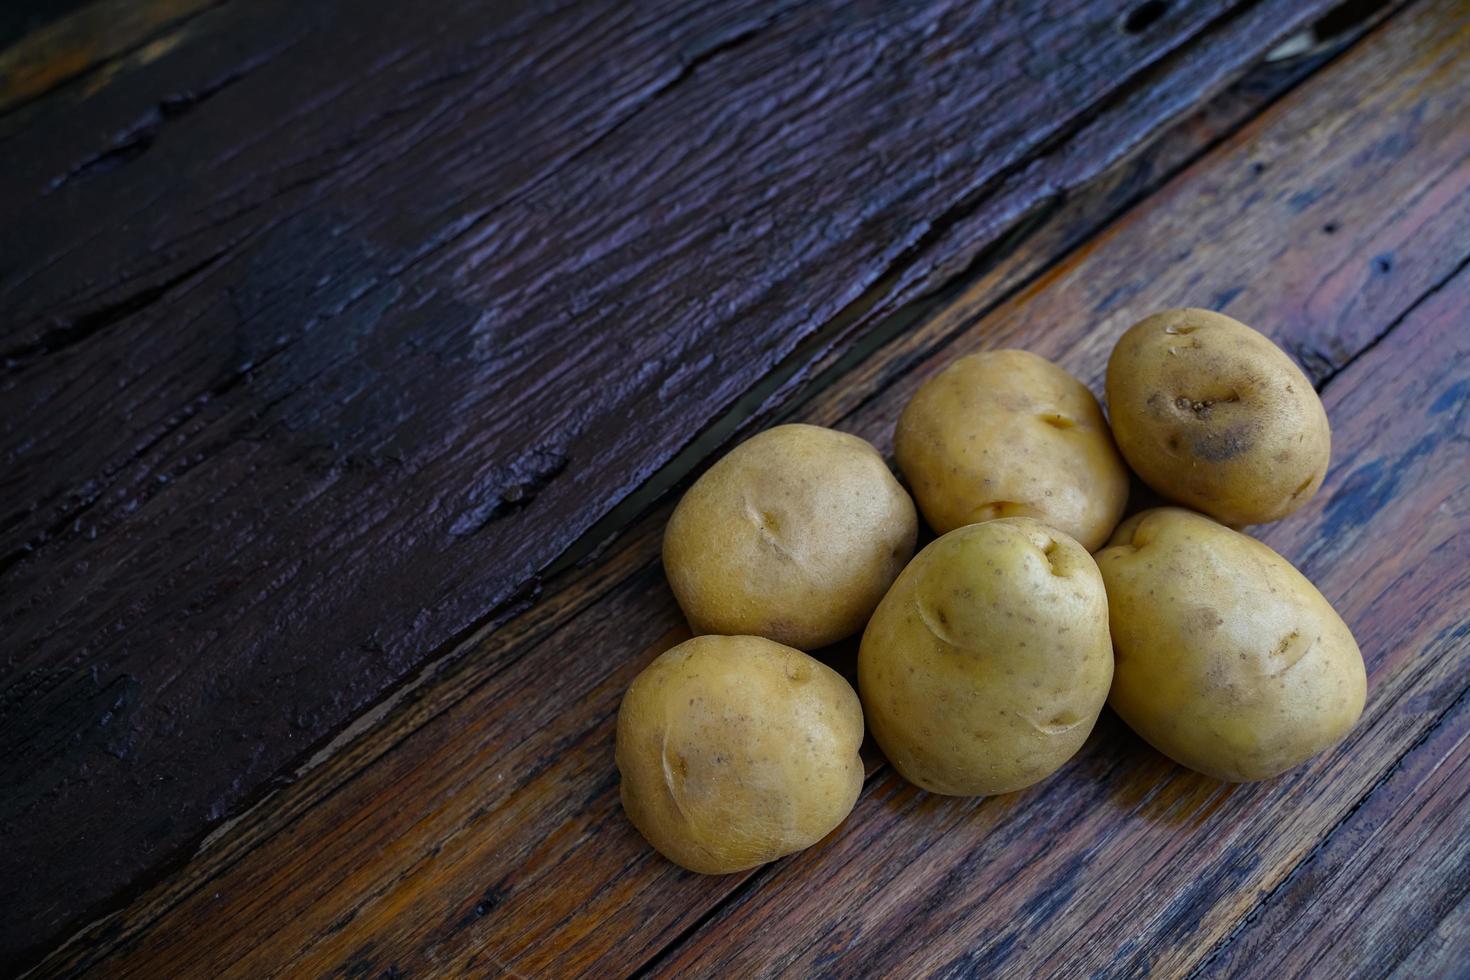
(1126,865)
(484,834)
(1041,241)
(376,290)
(87,40)
(1394,874)
(1107,845)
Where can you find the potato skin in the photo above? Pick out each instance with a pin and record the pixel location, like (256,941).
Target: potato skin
(1007,433)
(1227,659)
(986,665)
(794,535)
(1213,415)
(735,750)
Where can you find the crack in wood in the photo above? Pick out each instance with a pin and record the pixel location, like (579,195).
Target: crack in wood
(1321,380)
(70,331)
(137,140)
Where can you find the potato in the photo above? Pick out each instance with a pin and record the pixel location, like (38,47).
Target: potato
(735,750)
(794,535)
(1211,414)
(985,666)
(1009,434)
(1228,660)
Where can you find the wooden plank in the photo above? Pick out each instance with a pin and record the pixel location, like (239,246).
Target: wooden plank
(1394,876)
(86,40)
(1443,954)
(1043,241)
(1126,865)
(489,835)
(372,351)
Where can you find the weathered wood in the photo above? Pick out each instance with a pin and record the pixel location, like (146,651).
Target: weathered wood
(484,834)
(1392,880)
(1043,241)
(87,40)
(931,879)
(1124,864)
(377,288)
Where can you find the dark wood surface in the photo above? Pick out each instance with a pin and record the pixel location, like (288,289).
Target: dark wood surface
(352,366)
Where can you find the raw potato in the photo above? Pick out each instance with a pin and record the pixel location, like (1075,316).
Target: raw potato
(1009,434)
(1211,414)
(735,750)
(986,665)
(1228,660)
(794,535)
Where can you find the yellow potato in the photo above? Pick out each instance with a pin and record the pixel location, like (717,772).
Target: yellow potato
(735,750)
(1009,434)
(1228,660)
(794,535)
(1211,414)
(985,666)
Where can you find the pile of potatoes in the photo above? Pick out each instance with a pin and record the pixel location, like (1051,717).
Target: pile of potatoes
(986,658)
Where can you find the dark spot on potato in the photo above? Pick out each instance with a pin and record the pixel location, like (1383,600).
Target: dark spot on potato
(1062,720)
(1057,420)
(1204,619)
(1202,408)
(1219,445)
(1290,649)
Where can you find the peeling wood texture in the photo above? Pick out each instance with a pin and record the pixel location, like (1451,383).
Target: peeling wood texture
(332,329)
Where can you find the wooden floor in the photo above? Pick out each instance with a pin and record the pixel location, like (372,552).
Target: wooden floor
(353,354)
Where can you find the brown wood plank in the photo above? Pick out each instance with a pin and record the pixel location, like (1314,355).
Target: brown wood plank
(1394,876)
(1059,228)
(1443,954)
(377,288)
(1123,863)
(490,836)
(1126,864)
